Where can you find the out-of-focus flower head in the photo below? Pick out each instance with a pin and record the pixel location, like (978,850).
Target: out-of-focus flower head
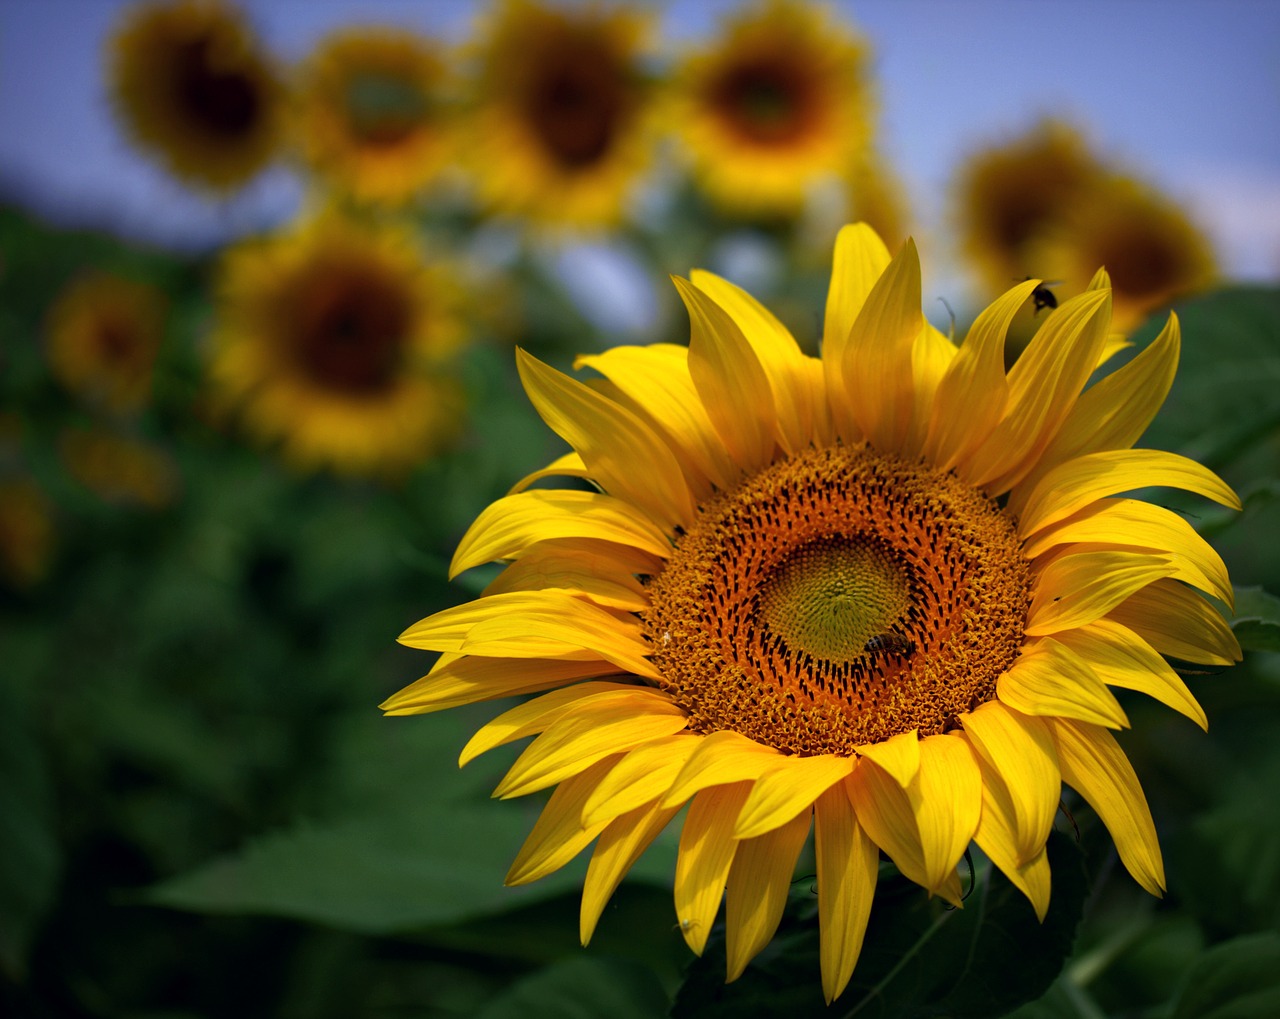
(193,87)
(558,112)
(373,119)
(332,339)
(1152,250)
(26,533)
(103,333)
(1007,196)
(118,468)
(781,101)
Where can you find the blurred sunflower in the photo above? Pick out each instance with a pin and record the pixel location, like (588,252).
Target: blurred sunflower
(1006,197)
(877,197)
(1150,248)
(371,117)
(780,102)
(26,533)
(887,591)
(332,339)
(192,85)
(103,333)
(118,468)
(559,124)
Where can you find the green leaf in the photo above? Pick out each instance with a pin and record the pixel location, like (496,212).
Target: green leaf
(1256,622)
(31,860)
(585,988)
(1226,397)
(1239,979)
(920,958)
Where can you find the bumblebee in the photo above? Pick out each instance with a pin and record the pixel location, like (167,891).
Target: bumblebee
(890,643)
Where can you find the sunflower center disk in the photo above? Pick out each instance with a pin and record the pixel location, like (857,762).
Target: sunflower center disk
(838,598)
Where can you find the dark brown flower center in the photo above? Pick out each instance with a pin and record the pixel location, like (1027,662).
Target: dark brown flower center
(351,327)
(383,109)
(222,100)
(765,101)
(577,102)
(839,598)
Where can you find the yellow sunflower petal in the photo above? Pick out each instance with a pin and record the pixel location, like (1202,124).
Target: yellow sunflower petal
(568,466)
(620,845)
(1091,585)
(1115,411)
(780,356)
(1043,386)
(947,804)
(1179,623)
(848,864)
(558,836)
(1121,658)
(877,367)
(899,756)
(791,787)
(995,837)
(1020,749)
(730,380)
(535,624)
(931,356)
(972,395)
(759,880)
(602,572)
(1071,486)
(588,731)
(533,716)
(462,679)
(720,758)
(860,259)
(1131,522)
(644,774)
(657,383)
(707,848)
(511,524)
(1050,679)
(1094,766)
(883,810)
(622,452)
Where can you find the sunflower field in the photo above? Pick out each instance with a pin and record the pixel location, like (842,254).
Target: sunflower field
(598,546)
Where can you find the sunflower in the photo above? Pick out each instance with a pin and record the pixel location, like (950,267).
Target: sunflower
(193,87)
(878,198)
(332,338)
(103,333)
(559,117)
(118,468)
(782,101)
(371,115)
(886,591)
(1008,196)
(26,533)
(1152,251)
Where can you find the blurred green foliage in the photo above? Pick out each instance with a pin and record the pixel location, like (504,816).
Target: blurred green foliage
(203,814)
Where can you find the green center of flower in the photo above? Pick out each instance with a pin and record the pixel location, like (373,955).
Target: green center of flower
(838,598)
(384,109)
(832,596)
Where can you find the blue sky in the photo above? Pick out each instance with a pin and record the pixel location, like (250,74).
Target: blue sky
(1186,94)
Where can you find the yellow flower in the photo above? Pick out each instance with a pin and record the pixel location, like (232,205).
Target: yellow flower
(782,101)
(877,197)
(886,591)
(1008,196)
(103,333)
(1153,253)
(371,117)
(193,87)
(558,124)
(118,468)
(332,339)
(26,533)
